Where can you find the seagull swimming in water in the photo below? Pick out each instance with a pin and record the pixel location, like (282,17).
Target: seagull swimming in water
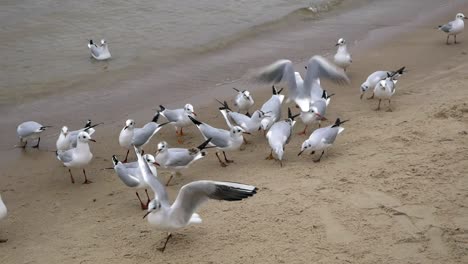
(99,52)
(453,28)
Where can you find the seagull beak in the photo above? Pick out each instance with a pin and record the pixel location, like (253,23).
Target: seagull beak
(125,128)
(336,44)
(195,114)
(157,164)
(92,140)
(362,95)
(147,213)
(321,117)
(248,133)
(300,153)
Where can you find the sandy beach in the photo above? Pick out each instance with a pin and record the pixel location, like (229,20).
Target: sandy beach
(393,188)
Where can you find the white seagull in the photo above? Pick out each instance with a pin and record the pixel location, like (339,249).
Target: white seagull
(273,108)
(99,52)
(384,90)
(30,130)
(322,139)
(453,28)
(68,139)
(130,135)
(170,217)
(279,135)
(303,92)
(316,113)
(178,117)
(248,123)
(243,101)
(77,157)
(131,175)
(342,57)
(374,78)
(177,159)
(223,140)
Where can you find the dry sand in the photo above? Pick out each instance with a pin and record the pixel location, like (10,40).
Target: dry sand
(393,189)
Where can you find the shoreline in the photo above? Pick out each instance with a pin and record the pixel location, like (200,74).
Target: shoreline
(381,194)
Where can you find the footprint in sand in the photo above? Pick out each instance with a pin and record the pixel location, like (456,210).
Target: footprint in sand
(335,231)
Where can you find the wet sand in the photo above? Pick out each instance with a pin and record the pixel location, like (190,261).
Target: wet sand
(391,190)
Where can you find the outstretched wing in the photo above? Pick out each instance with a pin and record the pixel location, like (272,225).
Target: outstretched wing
(193,195)
(150,179)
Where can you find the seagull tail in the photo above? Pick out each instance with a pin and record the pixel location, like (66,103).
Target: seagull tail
(338,122)
(155,118)
(162,108)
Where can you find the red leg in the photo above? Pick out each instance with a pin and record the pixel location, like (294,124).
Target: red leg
(143,206)
(126,156)
(304,131)
(220,161)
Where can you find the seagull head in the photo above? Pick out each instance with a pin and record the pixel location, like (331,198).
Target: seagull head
(460,16)
(238,131)
(246,95)
(340,42)
(305,146)
(161,147)
(85,137)
(188,108)
(153,206)
(64,130)
(103,42)
(149,158)
(129,124)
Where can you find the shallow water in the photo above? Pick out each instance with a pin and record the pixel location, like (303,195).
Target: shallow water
(43,45)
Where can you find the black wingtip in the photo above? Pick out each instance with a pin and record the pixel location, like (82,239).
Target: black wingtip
(338,122)
(115,160)
(401,70)
(91,42)
(248,114)
(290,115)
(204,144)
(161,108)
(225,105)
(235,89)
(324,94)
(196,122)
(155,118)
(273,89)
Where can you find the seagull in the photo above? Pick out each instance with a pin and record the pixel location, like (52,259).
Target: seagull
(223,140)
(30,130)
(99,52)
(375,77)
(303,92)
(170,217)
(130,135)
(68,139)
(131,175)
(342,57)
(178,117)
(386,88)
(322,138)
(279,135)
(273,108)
(248,123)
(243,101)
(3,215)
(454,27)
(316,113)
(177,159)
(77,157)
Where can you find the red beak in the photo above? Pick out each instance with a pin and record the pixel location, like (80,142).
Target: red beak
(92,140)
(195,114)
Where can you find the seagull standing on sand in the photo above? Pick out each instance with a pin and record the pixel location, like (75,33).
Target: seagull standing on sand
(177,159)
(139,137)
(248,123)
(131,175)
(243,101)
(170,217)
(453,28)
(178,117)
(342,57)
(322,139)
(316,113)
(303,93)
(223,140)
(273,108)
(279,135)
(30,130)
(68,139)
(385,89)
(375,77)
(99,52)
(77,157)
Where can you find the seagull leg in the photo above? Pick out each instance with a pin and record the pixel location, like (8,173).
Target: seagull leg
(446,42)
(389,106)
(220,161)
(455,38)
(371,97)
(170,178)
(270,157)
(245,141)
(181,131)
(318,160)
(378,107)
(281,163)
(304,131)
(169,235)
(143,206)
(71,176)
(38,141)
(86,181)
(148,198)
(126,156)
(225,158)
